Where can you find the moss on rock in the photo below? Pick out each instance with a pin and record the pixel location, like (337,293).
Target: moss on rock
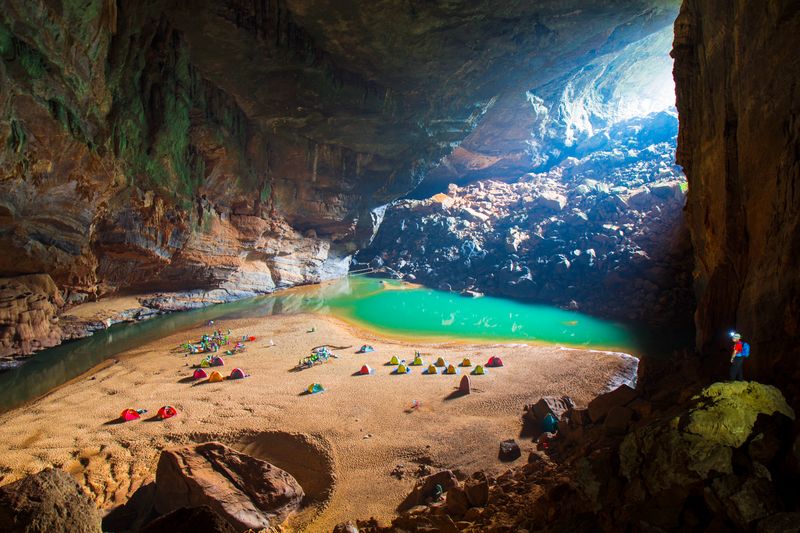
(690,447)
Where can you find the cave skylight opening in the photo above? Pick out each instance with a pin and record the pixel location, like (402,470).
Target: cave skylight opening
(621,103)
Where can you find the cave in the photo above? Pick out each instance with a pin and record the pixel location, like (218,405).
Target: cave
(560,227)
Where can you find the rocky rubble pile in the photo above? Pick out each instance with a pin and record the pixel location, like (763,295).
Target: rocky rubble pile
(724,458)
(616,251)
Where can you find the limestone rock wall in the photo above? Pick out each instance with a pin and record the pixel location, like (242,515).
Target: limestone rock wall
(736,72)
(28,314)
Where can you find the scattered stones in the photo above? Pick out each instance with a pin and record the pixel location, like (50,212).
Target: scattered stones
(247,492)
(47,502)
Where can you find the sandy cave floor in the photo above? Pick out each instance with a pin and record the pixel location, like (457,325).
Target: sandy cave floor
(341,445)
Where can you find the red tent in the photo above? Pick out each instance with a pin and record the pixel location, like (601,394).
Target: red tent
(199,374)
(167,412)
(237,373)
(494,361)
(365,370)
(129,414)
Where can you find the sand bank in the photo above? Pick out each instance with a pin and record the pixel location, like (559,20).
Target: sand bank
(341,445)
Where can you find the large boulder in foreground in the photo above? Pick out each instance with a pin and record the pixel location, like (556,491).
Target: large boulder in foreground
(726,446)
(248,492)
(47,502)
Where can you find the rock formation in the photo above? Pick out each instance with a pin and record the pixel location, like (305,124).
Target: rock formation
(238,147)
(247,492)
(720,461)
(29,308)
(615,251)
(739,141)
(45,502)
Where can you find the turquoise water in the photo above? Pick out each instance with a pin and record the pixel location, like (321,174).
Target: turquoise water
(430,313)
(388,307)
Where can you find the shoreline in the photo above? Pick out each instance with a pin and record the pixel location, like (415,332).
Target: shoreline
(363,423)
(80,321)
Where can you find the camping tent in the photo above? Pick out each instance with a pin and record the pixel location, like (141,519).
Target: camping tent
(167,412)
(205,363)
(479,371)
(217,361)
(314,388)
(417,361)
(366,349)
(199,374)
(494,361)
(237,373)
(451,369)
(432,370)
(403,369)
(466,362)
(394,360)
(129,414)
(215,377)
(440,362)
(365,371)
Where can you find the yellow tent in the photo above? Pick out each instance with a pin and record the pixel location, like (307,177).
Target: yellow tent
(403,369)
(417,361)
(205,363)
(466,362)
(451,369)
(431,370)
(440,362)
(479,370)
(215,377)
(393,360)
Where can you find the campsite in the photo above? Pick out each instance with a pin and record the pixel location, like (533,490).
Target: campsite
(349,421)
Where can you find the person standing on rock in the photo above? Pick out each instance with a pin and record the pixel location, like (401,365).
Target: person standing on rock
(741,351)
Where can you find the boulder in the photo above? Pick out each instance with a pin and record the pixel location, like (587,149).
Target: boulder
(189,520)
(579,417)
(509,450)
(600,406)
(47,502)
(456,502)
(674,454)
(551,201)
(477,489)
(616,421)
(553,405)
(425,489)
(247,492)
